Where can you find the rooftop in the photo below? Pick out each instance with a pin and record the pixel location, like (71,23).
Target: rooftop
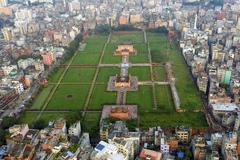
(230,107)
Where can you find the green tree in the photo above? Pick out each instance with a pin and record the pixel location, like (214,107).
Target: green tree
(126,27)
(8,122)
(103,29)
(73,117)
(40,124)
(159,30)
(3,134)
(79,38)
(188,155)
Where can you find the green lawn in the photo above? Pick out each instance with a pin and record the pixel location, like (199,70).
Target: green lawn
(188,93)
(101,96)
(143,98)
(105,73)
(79,75)
(96,39)
(187,90)
(159,73)
(143,73)
(142,54)
(164,99)
(133,37)
(42,96)
(95,44)
(28,117)
(157,38)
(159,47)
(143,58)
(69,97)
(56,75)
(85,58)
(111,59)
(172,119)
(141,48)
(93,48)
(110,49)
(47,116)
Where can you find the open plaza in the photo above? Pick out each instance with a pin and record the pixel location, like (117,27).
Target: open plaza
(154,78)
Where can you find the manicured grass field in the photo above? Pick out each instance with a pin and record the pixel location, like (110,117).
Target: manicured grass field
(73,97)
(172,119)
(142,58)
(85,58)
(47,116)
(96,39)
(125,37)
(111,59)
(28,117)
(164,99)
(79,75)
(141,48)
(187,90)
(111,47)
(101,96)
(69,97)
(143,98)
(41,97)
(143,73)
(95,44)
(105,73)
(159,73)
(56,75)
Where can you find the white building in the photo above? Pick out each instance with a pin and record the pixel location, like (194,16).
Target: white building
(18,130)
(22,19)
(75,129)
(38,64)
(220,108)
(164,148)
(18,86)
(107,151)
(7,33)
(3,3)
(23,15)
(74,6)
(24,63)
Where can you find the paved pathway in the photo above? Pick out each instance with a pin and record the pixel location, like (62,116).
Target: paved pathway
(121,97)
(109,65)
(171,79)
(152,83)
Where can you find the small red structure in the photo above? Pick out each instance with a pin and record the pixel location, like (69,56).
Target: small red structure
(149,154)
(120,113)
